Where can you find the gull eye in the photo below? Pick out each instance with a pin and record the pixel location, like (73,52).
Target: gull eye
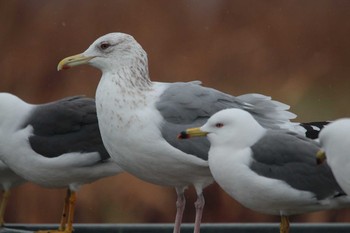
(219,125)
(105,45)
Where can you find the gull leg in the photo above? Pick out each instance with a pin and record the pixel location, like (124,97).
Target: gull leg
(284,227)
(72,201)
(66,225)
(180,207)
(4,200)
(65,211)
(199,204)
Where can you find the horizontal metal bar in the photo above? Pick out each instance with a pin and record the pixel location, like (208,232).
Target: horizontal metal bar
(186,228)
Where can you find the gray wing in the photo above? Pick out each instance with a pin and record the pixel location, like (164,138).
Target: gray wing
(185,105)
(269,113)
(289,157)
(67,125)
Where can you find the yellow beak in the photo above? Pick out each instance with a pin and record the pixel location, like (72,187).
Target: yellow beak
(320,157)
(192,132)
(74,60)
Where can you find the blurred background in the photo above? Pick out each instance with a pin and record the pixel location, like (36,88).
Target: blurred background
(296,51)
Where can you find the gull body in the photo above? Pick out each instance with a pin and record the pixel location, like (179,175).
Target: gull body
(270,171)
(335,143)
(54,145)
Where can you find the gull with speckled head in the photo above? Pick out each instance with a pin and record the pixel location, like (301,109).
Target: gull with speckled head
(54,145)
(139,119)
(335,143)
(269,171)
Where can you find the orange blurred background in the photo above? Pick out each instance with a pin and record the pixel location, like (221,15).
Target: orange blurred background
(296,51)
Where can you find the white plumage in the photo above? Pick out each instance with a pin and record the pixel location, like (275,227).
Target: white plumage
(335,141)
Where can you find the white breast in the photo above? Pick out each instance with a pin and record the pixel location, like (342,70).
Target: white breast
(130,127)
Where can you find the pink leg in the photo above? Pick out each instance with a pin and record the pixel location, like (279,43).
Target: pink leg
(199,204)
(180,207)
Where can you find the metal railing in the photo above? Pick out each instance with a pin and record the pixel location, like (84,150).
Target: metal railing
(186,228)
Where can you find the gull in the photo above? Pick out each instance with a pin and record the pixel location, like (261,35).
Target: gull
(54,145)
(269,171)
(139,119)
(335,143)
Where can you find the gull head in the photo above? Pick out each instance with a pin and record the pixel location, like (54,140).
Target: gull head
(229,127)
(334,140)
(108,53)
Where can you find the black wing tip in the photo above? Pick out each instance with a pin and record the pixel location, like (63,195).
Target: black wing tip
(314,128)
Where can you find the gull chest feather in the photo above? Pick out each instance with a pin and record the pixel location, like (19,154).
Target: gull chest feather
(127,116)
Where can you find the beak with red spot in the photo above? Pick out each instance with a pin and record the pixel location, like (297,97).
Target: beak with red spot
(75,60)
(192,132)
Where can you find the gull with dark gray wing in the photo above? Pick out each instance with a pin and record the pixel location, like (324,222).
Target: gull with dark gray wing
(55,145)
(335,143)
(270,171)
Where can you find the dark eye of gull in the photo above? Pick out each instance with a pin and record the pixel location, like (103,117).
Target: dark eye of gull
(105,45)
(219,125)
